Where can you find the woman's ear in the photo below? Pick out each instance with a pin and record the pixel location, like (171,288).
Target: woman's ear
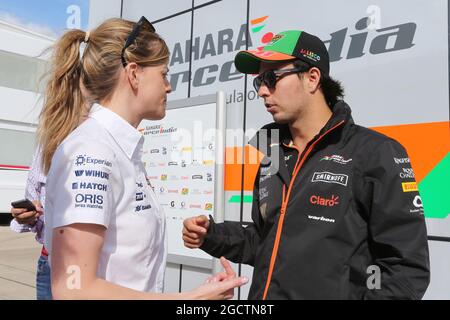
(131,71)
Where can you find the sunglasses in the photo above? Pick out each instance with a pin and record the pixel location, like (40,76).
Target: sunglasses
(143,23)
(270,77)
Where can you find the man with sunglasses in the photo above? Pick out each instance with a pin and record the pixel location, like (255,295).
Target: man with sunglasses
(336,212)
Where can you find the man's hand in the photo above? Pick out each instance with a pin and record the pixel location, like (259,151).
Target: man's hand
(23,216)
(194,231)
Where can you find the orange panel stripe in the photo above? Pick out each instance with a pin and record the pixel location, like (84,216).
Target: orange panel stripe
(426,143)
(258,20)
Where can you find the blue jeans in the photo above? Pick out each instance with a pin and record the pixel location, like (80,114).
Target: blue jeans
(43,284)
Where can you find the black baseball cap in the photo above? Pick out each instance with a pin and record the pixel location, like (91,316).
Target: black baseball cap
(286,46)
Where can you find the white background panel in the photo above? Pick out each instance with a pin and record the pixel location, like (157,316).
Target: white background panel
(218,43)
(172,278)
(246,271)
(438,227)
(152,9)
(439,288)
(193,277)
(100,10)
(383,89)
(175,31)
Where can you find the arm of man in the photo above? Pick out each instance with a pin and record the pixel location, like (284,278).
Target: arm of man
(397,230)
(233,240)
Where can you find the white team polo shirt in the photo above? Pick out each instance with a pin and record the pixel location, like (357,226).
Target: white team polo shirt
(97,176)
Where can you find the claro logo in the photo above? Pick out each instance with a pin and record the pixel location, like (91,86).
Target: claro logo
(326,202)
(389,39)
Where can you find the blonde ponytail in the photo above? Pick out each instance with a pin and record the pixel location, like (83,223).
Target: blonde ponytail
(73,79)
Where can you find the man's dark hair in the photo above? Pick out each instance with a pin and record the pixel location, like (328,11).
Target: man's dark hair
(331,89)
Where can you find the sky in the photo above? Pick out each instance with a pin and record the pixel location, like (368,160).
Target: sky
(49,17)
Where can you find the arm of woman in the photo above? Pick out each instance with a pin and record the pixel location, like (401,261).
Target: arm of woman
(75,257)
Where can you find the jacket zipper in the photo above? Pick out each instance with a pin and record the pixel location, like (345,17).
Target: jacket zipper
(284,205)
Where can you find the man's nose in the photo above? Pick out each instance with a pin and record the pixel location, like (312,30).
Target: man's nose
(263,90)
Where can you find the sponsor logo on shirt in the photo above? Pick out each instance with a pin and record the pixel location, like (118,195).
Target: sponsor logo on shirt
(326,202)
(409,186)
(142,207)
(82,160)
(322,218)
(336,158)
(329,177)
(401,160)
(407,173)
(92,173)
(263,193)
(264,178)
(139,196)
(89,201)
(418,206)
(89,185)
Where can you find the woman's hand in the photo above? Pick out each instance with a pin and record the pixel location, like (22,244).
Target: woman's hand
(23,216)
(219,286)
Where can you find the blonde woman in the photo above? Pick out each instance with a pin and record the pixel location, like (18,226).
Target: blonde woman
(105,230)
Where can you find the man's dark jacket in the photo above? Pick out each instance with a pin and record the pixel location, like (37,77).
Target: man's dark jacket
(352,223)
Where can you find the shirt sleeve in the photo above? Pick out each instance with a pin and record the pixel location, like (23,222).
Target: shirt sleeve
(19,228)
(397,230)
(79,184)
(32,191)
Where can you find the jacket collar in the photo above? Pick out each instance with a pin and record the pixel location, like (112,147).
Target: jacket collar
(341,112)
(271,137)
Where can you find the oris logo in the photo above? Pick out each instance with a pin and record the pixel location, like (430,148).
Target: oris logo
(320,201)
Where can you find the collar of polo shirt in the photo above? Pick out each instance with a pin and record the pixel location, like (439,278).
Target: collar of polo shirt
(126,136)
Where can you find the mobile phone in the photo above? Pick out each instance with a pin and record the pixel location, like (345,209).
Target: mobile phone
(25,204)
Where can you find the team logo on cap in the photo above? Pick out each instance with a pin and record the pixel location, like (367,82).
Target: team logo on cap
(310,55)
(276,39)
